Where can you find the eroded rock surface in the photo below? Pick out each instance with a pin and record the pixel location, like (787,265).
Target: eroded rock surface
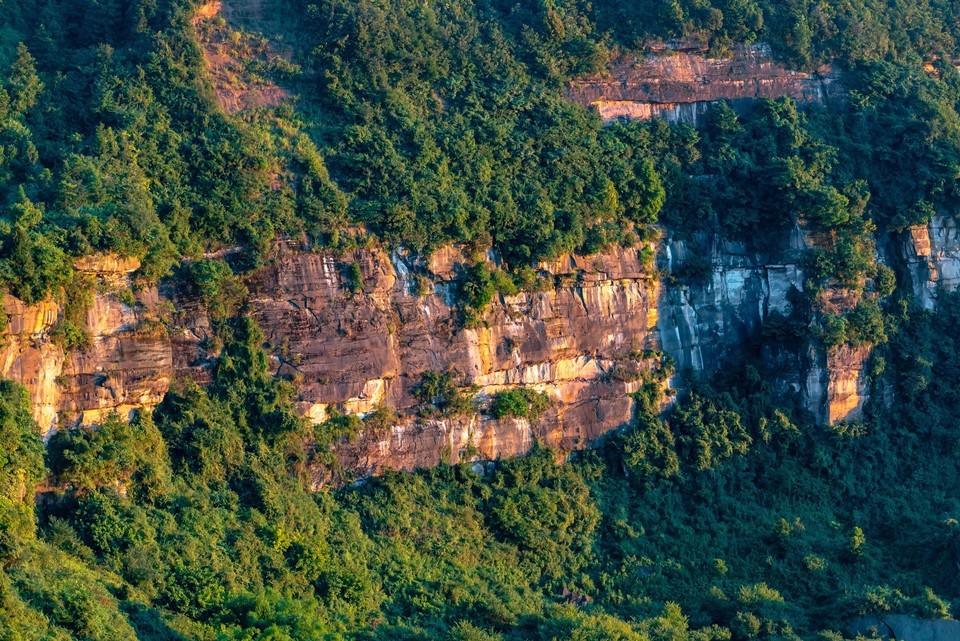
(932,257)
(706,319)
(360,350)
(680,85)
(126,365)
(586,339)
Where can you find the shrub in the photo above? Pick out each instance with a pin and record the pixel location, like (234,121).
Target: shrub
(865,324)
(521,402)
(68,336)
(476,290)
(439,394)
(353,277)
(114,452)
(221,292)
(709,431)
(834,331)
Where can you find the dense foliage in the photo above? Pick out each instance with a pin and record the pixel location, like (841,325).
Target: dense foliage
(443,123)
(112,142)
(732,516)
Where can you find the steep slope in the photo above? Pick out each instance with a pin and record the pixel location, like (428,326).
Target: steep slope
(588,339)
(237,57)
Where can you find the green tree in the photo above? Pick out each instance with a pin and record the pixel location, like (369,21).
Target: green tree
(23,83)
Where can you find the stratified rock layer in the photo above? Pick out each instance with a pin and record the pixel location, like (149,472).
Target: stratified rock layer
(593,320)
(360,350)
(680,85)
(125,366)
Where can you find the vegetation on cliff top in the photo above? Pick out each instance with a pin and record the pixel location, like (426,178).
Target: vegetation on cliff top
(435,124)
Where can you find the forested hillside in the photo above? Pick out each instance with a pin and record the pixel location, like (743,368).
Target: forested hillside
(725,519)
(439,124)
(415,125)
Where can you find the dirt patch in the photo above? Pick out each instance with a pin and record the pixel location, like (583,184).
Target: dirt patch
(240,59)
(207,11)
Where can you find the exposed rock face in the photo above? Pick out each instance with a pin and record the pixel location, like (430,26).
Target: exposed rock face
(585,339)
(700,321)
(680,85)
(124,367)
(903,626)
(846,384)
(361,350)
(357,351)
(705,321)
(224,29)
(30,358)
(932,257)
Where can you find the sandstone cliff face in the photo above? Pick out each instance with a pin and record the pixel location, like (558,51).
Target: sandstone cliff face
(30,358)
(595,318)
(929,258)
(680,85)
(845,381)
(360,350)
(356,351)
(702,320)
(123,368)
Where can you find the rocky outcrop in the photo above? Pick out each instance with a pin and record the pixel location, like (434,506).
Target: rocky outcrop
(931,254)
(705,315)
(680,85)
(125,366)
(587,337)
(30,358)
(904,626)
(706,318)
(356,351)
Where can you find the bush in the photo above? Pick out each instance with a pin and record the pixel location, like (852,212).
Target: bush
(440,395)
(865,324)
(22,467)
(114,453)
(521,402)
(68,336)
(476,290)
(546,510)
(221,292)
(353,277)
(834,330)
(708,432)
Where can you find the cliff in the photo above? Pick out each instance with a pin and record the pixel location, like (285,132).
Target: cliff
(586,339)
(680,85)
(357,351)
(931,256)
(904,626)
(706,322)
(360,350)
(123,368)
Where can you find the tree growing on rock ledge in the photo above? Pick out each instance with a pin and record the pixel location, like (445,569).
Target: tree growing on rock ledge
(521,402)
